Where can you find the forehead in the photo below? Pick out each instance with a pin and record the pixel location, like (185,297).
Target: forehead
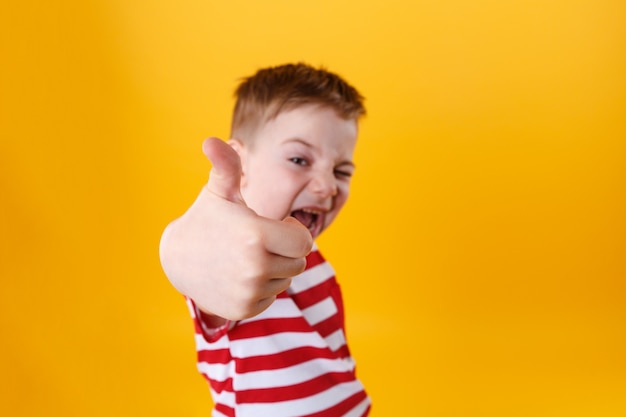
(313,125)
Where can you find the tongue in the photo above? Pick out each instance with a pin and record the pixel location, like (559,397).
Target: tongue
(303,217)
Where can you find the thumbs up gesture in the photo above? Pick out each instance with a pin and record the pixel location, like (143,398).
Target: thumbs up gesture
(220,253)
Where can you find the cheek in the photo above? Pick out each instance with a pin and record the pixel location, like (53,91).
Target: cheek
(275,201)
(344,191)
(342,197)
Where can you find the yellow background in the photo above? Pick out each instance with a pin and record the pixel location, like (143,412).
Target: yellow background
(482,254)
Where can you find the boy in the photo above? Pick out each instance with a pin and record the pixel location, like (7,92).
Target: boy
(270,345)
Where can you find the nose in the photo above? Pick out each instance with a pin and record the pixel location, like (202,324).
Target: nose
(324,184)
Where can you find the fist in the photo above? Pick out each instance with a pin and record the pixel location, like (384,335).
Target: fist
(230,261)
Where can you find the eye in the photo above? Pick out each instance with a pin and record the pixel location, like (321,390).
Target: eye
(343,174)
(299,161)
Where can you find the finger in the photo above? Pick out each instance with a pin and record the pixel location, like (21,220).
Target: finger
(275,286)
(225,176)
(287,238)
(282,267)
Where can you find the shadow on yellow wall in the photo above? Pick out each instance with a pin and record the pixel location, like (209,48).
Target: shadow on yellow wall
(482,255)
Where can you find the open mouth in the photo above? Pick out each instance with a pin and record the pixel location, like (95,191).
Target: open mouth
(311,219)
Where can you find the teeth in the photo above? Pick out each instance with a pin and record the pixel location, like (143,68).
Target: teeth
(312,220)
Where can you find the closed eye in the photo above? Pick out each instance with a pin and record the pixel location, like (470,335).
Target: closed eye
(343,174)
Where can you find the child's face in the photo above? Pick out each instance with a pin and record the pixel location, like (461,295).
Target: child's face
(299,164)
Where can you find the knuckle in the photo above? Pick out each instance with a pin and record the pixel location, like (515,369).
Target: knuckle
(251,237)
(299,265)
(306,244)
(285,283)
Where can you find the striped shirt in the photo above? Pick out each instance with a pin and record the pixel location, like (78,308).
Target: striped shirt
(291,360)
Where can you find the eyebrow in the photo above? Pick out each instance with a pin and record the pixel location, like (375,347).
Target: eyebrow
(298,140)
(308,145)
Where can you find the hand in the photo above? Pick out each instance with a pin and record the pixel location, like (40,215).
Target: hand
(224,256)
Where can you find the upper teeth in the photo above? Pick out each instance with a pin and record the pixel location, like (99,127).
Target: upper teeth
(311,211)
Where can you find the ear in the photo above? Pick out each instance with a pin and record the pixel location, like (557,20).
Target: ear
(241,149)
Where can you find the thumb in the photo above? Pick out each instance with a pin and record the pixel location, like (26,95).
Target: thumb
(225,176)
